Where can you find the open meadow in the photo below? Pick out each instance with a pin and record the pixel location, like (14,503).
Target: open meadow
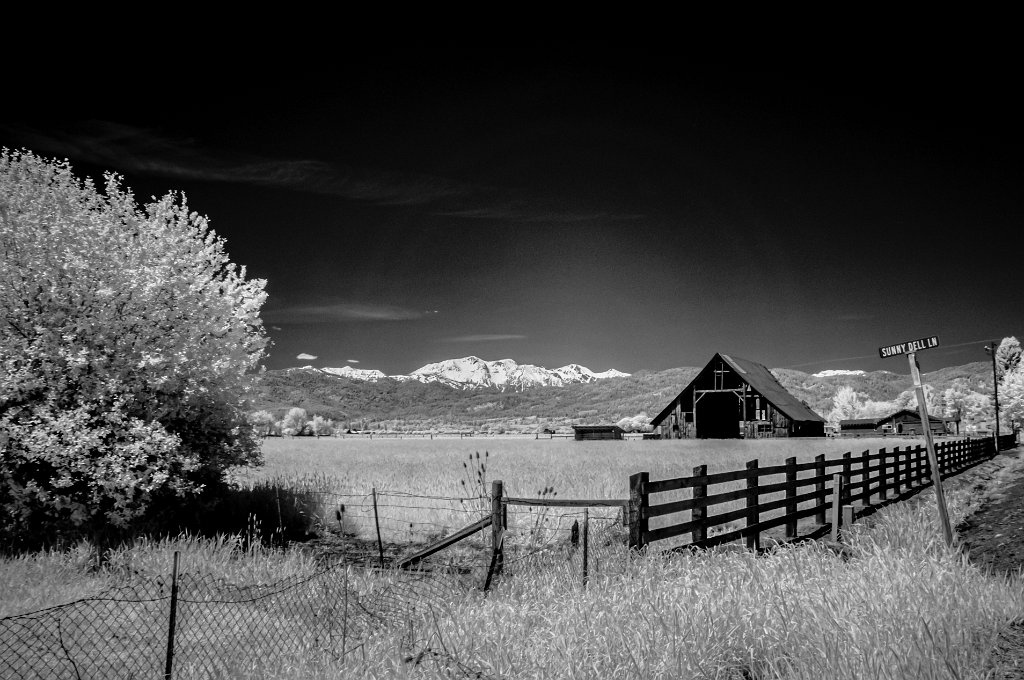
(430,488)
(894,603)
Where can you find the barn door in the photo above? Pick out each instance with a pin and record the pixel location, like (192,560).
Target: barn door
(718,416)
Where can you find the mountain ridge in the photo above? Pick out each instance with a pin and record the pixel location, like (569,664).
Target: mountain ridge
(434,404)
(473,372)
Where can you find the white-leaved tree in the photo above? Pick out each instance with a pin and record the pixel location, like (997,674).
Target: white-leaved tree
(321,426)
(1011,397)
(294,421)
(128,341)
(934,399)
(846,405)
(641,422)
(1007,356)
(263,422)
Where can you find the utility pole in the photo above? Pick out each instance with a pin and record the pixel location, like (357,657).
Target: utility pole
(991,349)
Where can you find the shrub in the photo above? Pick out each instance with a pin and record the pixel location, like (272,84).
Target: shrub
(126,341)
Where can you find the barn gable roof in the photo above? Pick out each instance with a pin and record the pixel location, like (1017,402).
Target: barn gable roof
(598,428)
(763,381)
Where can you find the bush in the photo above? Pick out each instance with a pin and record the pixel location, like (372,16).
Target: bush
(127,338)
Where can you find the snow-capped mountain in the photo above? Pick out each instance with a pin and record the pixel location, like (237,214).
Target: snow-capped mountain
(371,375)
(473,373)
(574,373)
(836,371)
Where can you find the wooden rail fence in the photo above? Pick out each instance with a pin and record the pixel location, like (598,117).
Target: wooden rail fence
(772,496)
(769,497)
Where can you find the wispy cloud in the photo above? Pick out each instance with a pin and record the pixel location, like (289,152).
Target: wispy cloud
(483,338)
(305,357)
(125,148)
(340,312)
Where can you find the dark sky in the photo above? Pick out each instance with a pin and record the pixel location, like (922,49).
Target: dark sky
(619,212)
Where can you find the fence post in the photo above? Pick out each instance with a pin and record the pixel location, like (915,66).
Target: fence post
(376,521)
(848,515)
(638,510)
(497,524)
(908,467)
(837,503)
(791,494)
(865,478)
(173,618)
(847,473)
(899,472)
(883,475)
(586,544)
(753,538)
(700,533)
(819,487)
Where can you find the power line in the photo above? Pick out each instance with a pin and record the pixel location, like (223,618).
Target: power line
(875,356)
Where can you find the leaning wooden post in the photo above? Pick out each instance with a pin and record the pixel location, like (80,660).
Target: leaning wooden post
(819,487)
(753,536)
(922,405)
(638,510)
(700,531)
(497,524)
(837,503)
(790,495)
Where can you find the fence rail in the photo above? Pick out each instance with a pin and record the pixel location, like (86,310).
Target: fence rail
(783,495)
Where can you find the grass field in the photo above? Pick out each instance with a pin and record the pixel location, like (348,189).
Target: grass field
(899,604)
(575,469)
(430,488)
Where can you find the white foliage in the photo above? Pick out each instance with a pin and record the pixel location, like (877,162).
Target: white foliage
(1007,356)
(126,341)
(1011,396)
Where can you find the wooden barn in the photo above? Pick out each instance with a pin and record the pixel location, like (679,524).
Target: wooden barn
(591,432)
(904,422)
(736,398)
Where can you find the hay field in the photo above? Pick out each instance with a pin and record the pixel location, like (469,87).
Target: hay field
(595,469)
(430,488)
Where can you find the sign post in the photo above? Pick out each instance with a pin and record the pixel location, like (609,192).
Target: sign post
(910,349)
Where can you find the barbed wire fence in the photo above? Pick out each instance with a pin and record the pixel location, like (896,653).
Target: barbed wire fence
(192,625)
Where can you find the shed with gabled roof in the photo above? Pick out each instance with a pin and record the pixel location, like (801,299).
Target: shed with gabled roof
(902,422)
(732,398)
(592,432)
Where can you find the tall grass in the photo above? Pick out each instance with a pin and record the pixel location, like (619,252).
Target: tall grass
(898,603)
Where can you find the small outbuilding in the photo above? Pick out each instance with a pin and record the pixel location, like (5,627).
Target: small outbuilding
(902,422)
(593,432)
(735,398)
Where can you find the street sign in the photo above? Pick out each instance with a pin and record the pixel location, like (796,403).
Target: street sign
(911,349)
(908,347)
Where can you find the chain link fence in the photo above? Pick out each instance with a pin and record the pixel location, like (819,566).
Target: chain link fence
(197,626)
